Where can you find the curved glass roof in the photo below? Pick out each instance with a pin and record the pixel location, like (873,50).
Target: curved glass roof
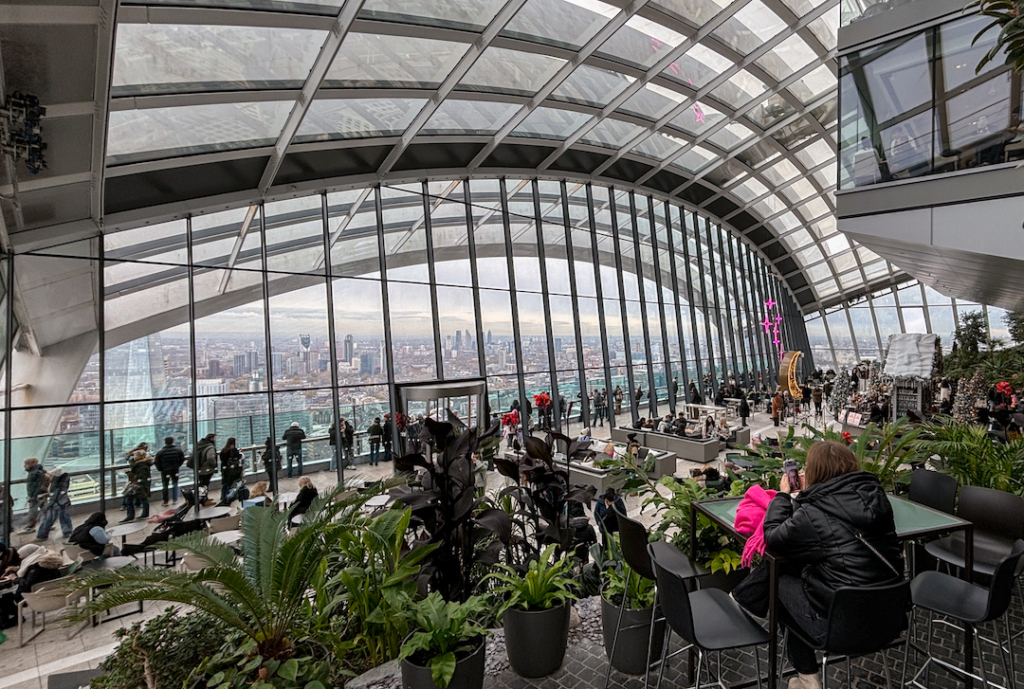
(729,106)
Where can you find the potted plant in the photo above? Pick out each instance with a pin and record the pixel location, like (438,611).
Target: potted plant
(448,649)
(535,613)
(631,648)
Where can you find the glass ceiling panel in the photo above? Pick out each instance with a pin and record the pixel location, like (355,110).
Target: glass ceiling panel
(469,117)
(795,133)
(510,71)
(367,60)
(825,28)
(658,146)
(562,23)
(813,84)
(787,58)
(166,58)
(696,119)
(781,172)
(731,135)
(611,133)
(740,89)
(592,86)
(551,123)
(696,12)
(799,190)
(641,42)
(698,66)
(694,159)
(161,132)
(815,154)
(459,14)
(770,111)
(322,7)
(750,28)
(802,7)
(749,190)
(350,118)
(652,102)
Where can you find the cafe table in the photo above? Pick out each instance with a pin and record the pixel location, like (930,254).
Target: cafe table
(913,521)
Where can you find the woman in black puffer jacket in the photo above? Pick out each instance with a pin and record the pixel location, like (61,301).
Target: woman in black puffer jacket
(823,533)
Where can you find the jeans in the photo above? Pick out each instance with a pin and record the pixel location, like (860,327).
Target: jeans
(297,456)
(167,479)
(130,503)
(226,480)
(53,514)
(204,480)
(387,452)
(374,453)
(797,612)
(33,511)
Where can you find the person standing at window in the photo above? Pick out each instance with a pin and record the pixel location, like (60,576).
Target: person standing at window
(293,437)
(389,436)
(58,506)
(206,459)
(35,486)
(375,433)
(232,467)
(168,461)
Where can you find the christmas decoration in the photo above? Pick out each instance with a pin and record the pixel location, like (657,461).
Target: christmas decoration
(840,393)
(968,394)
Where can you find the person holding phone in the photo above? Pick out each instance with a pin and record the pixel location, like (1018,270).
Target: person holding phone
(839,531)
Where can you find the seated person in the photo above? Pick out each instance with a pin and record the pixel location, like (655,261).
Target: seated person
(43,565)
(10,561)
(680,424)
(666,424)
(604,511)
(724,432)
(648,424)
(259,492)
(639,423)
(307,494)
(709,426)
(92,535)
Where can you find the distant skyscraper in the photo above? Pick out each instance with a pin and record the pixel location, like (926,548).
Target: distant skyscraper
(253,361)
(558,344)
(468,340)
(240,365)
(458,340)
(488,337)
(365,364)
(349,349)
(214,368)
(277,363)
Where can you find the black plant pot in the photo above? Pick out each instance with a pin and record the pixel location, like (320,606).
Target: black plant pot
(469,672)
(536,640)
(631,647)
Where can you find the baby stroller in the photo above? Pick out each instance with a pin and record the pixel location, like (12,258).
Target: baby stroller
(237,491)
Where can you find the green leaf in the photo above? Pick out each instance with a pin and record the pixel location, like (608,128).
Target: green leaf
(216,679)
(315,684)
(442,669)
(289,669)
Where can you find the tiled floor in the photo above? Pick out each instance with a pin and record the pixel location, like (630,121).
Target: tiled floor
(51,652)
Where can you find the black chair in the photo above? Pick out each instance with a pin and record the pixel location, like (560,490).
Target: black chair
(998,519)
(971,604)
(933,489)
(633,542)
(707,619)
(862,620)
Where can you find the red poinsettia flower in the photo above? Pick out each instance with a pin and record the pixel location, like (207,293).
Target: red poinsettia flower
(848,438)
(543,400)
(510,419)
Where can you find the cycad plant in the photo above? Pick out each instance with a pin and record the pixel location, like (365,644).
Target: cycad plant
(1008,15)
(548,583)
(264,595)
(973,458)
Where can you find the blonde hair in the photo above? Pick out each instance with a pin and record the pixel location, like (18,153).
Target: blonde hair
(306,482)
(828,459)
(31,462)
(259,490)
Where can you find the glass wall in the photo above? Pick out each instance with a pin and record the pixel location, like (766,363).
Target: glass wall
(242,322)
(908,308)
(916,106)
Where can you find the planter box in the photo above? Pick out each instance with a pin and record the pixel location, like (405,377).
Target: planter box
(535,640)
(631,647)
(469,672)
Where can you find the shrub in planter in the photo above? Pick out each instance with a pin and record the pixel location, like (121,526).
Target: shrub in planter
(160,653)
(631,648)
(536,613)
(449,649)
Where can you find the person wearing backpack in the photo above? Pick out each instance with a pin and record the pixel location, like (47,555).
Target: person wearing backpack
(293,437)
(168,461)
(232,467)
(206,464)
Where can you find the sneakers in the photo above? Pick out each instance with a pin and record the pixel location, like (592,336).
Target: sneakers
(126,520)
(165,503)
(805,682)
(28,529)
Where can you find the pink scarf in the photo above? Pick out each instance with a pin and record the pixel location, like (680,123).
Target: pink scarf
(750,521)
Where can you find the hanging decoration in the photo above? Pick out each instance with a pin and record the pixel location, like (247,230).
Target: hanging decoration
(772,323)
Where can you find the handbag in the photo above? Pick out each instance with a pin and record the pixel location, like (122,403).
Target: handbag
(754,591)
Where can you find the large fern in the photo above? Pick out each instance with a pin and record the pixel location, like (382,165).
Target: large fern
(1008,15)
(974,458)
(262,593)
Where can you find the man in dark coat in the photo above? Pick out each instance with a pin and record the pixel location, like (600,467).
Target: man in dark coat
(293,437)
(168,461)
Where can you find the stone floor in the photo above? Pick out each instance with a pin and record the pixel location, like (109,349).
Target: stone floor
(52,652)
